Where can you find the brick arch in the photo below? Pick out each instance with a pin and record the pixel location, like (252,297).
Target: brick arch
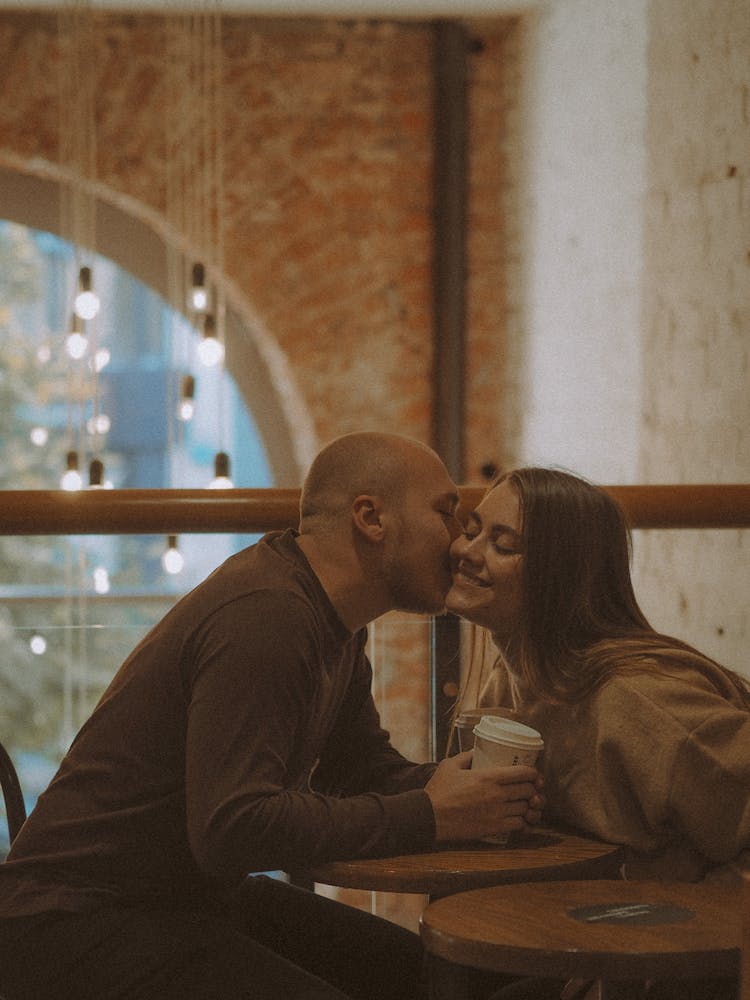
(138,241)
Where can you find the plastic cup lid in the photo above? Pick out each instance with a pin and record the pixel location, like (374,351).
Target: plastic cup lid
(472,716)
(499,730)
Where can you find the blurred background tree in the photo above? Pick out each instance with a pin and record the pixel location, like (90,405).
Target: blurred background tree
(33,379)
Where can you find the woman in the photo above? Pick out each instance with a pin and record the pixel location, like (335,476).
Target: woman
(647,741)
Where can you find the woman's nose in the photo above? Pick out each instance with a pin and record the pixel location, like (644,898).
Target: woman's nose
(475,550)
(463,548)
(456,546)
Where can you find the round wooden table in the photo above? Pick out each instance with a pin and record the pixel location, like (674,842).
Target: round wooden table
(590,930)
(542,854)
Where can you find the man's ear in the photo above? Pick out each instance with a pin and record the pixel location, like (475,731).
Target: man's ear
(367,516)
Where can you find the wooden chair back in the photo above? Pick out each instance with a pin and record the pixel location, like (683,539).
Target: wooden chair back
(745,955)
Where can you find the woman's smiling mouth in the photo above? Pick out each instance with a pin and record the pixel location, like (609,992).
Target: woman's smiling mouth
(461,576)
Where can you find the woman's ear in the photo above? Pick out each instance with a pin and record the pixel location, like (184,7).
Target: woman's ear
(366,514)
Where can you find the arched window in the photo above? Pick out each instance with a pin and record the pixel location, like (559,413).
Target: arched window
(72,608)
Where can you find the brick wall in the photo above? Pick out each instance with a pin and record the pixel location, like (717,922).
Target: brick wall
(327,186)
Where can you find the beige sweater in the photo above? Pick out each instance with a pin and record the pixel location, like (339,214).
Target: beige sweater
(658,761)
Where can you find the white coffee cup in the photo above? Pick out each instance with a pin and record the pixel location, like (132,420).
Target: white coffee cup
(469,718)
(499,741)
(502,742)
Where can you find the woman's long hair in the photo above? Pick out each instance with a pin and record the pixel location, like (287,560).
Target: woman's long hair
(580,619)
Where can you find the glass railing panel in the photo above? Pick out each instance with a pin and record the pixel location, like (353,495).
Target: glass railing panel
(71,610)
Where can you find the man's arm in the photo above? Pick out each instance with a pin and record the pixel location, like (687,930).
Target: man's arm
(254,737)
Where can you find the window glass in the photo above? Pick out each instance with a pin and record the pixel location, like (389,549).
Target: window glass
(72,608)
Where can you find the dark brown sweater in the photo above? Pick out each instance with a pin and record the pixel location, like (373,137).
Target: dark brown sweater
(240,735)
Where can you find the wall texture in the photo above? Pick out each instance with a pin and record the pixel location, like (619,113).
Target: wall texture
(629,337)
(696,318)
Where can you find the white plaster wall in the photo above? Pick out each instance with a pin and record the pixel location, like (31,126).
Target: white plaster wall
(696,388)
(634,319)
(585,158)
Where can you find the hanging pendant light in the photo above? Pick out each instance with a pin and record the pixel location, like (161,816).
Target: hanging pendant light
(172,559)
(186,403)
(39,435)
(222,477)
(38,644)
(100,360)
(198,298)
(210,349)
(76,343)
(101,579)
(99,424)
(86,303)
(97,480)
(71,478)
(96,473)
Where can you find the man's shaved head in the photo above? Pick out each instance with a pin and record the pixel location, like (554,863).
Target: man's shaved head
(360,463)
(377,518)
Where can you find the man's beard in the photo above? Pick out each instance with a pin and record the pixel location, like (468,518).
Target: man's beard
(415,596)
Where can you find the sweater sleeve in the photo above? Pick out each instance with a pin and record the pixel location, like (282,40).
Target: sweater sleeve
(253,740)
(710,793)
(683,751)
(359,755)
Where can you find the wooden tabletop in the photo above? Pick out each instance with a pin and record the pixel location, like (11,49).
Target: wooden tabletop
(542,854)
(591,929)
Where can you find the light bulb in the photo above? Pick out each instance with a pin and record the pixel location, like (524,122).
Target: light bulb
(198,298)
(38,644)
(172,559)
(71,478)
(101,580)
(39,436)
(186,404)
(185,410)
(86,303)
(100,424)
(210,349)
(100,360)
(76,345)
(222,478)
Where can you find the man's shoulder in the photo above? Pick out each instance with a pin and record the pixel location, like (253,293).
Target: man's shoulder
(273,564)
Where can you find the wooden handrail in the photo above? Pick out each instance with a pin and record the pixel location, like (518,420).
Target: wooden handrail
(145,512)
(723,505)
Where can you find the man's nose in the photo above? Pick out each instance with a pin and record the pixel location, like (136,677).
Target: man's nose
(455,528)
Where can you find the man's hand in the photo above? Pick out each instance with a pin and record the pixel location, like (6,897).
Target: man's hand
(469,805)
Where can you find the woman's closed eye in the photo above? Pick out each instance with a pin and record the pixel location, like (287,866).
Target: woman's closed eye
(505,550)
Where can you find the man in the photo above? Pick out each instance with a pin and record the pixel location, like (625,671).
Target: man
(241,736)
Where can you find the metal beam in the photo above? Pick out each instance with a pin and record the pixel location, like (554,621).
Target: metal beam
(449,305)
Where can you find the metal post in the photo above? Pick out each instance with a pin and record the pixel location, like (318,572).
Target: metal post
(449,226)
